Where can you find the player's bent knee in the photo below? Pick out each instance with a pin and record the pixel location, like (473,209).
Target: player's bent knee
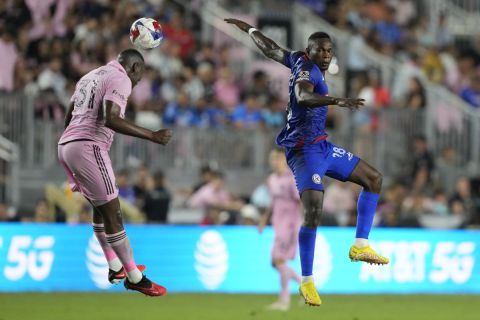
(375,182)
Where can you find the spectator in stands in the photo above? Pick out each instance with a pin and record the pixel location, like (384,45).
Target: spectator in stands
(125,189)
(338,203)
(463,202)
(357,63)
(205,176)
(226,89)
(144,183)
(391,205)
(9,55)
(43,212)
(179,113)
(471,94)
(273,114)
(415,98)
(422,165)
(260,87)
(215,199)
(388,32)
(157,200)
(5,215)
(179,33)
(247,115)
(447,170)
(439,205)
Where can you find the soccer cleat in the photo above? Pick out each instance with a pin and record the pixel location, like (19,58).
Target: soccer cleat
(115,277)
(310,294)
(366,254)
(146,286)
(279,306)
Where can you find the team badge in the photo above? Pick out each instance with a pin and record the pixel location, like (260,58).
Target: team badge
(304,75)
(316,178)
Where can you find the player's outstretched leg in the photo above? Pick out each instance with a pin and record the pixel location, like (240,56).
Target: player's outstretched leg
(312,202)
(116,271)
(371,181)
(118,240)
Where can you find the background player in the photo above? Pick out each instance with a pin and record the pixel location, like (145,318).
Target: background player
(96,111)
(310,156)
(286,217)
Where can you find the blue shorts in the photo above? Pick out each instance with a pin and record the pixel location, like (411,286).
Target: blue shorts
(311,163)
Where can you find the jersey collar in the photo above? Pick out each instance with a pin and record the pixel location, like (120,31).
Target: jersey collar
(116,64)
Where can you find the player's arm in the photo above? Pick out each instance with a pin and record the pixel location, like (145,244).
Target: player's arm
(306,97)
(269,48)
(264,220)
(114,121)
(68,115)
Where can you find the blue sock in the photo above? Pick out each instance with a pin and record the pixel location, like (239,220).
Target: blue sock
(366,206)
(306,241)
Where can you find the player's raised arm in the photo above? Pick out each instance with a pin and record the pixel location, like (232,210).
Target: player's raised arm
(114,121)
(304,92)
(269,48)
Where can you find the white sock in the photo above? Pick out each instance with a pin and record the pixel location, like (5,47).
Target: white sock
(361,242)
(306,279)
(135,276)
(115,264)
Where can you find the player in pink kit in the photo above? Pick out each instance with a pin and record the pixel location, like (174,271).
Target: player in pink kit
(96,112)
(286,217)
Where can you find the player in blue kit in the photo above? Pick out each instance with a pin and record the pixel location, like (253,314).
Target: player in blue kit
(310,156)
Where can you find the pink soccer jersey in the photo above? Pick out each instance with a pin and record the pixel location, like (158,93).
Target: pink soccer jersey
(286,214)
(285,198)
(109,82)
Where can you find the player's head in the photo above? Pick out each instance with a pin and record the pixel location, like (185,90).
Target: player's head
(320,49)
(133,63)
(277,160)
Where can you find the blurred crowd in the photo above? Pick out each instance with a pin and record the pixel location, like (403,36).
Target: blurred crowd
(405,30)
(432,194)
(46,46)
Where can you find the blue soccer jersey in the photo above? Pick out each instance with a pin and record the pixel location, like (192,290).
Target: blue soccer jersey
(309,155)
(304,125)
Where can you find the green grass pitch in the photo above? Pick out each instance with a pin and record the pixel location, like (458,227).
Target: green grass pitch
(133,306)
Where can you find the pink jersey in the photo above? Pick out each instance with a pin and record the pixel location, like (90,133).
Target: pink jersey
(285,198)
(109,82)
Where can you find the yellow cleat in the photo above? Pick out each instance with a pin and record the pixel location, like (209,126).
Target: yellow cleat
(310,294)
(366,254)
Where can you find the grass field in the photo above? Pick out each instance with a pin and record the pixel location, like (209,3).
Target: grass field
(131,306)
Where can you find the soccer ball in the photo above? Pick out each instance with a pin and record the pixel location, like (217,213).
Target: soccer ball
(146,33)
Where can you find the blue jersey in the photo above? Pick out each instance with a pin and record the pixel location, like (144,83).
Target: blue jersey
(305,125)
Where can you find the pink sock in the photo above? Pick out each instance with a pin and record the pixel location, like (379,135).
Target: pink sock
(112,259)
(121,245)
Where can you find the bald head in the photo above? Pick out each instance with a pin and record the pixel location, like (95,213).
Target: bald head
(133,63)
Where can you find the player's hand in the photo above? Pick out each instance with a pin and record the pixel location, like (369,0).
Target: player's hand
(260,227)
(162,136)
(352,104)
(239,23)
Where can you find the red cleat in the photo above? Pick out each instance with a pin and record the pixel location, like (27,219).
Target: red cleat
(117,276)
(146,287)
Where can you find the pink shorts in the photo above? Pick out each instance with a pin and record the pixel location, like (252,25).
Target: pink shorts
(286,240)
(89,170)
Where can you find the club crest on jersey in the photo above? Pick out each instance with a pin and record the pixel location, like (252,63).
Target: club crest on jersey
(304,75)
(316,178)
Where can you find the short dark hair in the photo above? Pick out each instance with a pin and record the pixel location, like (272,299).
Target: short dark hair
(319,35)
(129,57)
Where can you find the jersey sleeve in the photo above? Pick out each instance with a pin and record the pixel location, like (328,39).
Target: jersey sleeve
(309,73)
(291,57)
(118,90)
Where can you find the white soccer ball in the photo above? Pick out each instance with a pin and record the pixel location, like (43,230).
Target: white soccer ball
(146,33)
